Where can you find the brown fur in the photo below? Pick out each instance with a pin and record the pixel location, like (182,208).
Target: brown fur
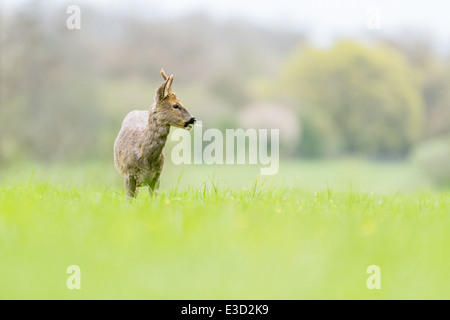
(138,147)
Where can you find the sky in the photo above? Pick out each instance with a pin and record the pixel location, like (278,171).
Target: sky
(321,20)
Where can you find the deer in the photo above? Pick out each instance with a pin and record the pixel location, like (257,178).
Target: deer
(138,147)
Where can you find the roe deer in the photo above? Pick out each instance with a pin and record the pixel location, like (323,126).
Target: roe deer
(138,147)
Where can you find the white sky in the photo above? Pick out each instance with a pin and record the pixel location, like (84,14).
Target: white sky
(321,20)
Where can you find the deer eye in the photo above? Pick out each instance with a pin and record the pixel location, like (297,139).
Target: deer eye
(175,106)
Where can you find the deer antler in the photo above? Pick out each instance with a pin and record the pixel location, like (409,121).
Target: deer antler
(163,74)
(169,82)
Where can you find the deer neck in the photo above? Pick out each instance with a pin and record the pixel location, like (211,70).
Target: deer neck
(156,136)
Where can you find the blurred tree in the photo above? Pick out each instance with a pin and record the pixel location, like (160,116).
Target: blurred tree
(355,100)
(433,157)
(47,104)
(434,73)
(437,100)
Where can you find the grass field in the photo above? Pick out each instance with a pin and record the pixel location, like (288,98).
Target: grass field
(224,233)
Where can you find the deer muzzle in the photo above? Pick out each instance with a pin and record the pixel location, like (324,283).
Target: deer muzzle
(190,123)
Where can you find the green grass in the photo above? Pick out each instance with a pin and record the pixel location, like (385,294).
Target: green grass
(210,240)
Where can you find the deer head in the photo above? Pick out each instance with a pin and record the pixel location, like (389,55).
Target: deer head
(169,109)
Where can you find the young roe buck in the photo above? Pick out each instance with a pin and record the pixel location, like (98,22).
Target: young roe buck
(138,147)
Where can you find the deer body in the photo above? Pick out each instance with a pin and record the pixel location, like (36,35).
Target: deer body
(138,147)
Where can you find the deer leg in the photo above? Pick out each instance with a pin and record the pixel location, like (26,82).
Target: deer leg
(130,186)
(154,185)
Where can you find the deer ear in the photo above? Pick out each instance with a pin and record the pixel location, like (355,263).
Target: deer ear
(161,92)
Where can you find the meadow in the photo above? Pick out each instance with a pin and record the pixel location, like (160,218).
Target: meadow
(309,232)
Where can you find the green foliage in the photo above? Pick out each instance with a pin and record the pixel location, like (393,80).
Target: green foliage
(435,77)
(434,159)
(362,99)
(312,140)
(437,98)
